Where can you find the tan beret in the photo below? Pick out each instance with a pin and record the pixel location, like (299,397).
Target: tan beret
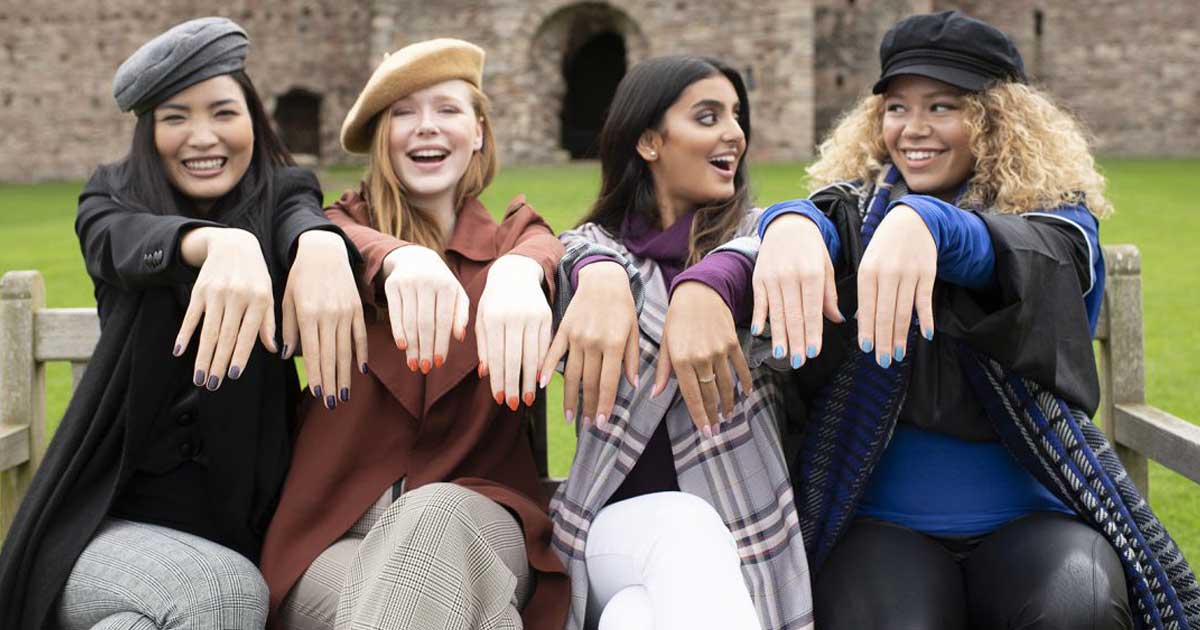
(405,71)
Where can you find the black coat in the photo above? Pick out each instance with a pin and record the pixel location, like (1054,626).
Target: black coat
(138,440)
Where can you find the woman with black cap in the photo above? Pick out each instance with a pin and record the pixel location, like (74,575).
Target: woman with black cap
(149,508)
(954,480)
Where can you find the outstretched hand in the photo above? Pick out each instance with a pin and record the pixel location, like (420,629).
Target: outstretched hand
(896,277)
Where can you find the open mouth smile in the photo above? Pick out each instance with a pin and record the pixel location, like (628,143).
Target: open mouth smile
(724,163)
(428,156)
(204,166)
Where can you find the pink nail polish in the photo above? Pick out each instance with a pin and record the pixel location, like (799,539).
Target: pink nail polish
(601,419)
(568,415)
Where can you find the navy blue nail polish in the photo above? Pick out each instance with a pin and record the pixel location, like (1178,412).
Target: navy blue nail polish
(235,372)
(317,391)
(928,334)
(345,394)
(363,367)
(754,329)
(199,379)
(330,402)
(797,361)
(213,381)
(283,352)
(779,352)
(885,361)
(811,351)
(178,350)
(899,354)
(867,346)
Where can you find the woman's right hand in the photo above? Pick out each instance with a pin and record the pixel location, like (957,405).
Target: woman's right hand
(793,286)
(598,332)
(426,304)
(233,295)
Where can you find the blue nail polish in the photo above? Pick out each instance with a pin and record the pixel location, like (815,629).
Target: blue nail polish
(317,391)
(235,372)
(867,346)
(754,329)
(928,334)
(199,379)
(213,381)
(345,394)
(899,354)
(364,368)
(885,361)
(779,352)
(797,361)
(330,402)
(811,351)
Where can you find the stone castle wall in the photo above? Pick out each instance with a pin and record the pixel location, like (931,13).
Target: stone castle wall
(1122,66)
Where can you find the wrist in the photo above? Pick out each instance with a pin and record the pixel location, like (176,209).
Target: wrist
(522,266)
(320,239)
(792,220)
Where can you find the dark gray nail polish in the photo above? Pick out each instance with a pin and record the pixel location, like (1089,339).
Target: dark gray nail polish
(344,394)
(330,402)
(213,381)
(363,367)
(317,391)
(178,350)
(235,372)
(283,352)
(199,379)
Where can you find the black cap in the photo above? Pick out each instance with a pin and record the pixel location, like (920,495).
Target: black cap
(950,47)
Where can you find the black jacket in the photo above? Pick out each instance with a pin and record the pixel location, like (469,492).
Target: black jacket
(138,440)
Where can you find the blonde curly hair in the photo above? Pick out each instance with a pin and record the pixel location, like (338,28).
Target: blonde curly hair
(1030,154)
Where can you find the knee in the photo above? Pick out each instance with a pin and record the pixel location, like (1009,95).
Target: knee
(442,501)
(667,520)
(229,585)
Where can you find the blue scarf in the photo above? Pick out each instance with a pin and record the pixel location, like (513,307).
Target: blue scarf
(851,423)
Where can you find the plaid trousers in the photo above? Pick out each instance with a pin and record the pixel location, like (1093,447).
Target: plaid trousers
(440,557)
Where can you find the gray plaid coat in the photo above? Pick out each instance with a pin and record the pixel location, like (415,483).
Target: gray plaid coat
(740,471)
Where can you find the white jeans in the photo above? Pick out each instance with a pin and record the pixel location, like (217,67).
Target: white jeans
(664,561)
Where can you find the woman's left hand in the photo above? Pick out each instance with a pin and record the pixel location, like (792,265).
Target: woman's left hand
(322,305)
(700,343)
(512,328)
(896,275)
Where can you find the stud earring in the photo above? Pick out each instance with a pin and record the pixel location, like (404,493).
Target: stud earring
(654,155)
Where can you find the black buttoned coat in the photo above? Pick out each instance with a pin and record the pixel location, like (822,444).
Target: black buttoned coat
(138,439)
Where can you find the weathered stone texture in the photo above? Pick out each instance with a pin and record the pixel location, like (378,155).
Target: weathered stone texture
(1122,66)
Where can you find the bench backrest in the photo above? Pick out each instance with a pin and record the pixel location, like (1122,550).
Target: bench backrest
(32,335)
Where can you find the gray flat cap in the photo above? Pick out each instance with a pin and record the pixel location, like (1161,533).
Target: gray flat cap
(179,58)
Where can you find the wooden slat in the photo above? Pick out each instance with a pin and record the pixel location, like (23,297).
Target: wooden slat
(65,334)
(22,386)
(1160,436)
(14,446)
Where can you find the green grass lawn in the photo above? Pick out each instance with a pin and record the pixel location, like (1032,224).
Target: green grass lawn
(1156,210)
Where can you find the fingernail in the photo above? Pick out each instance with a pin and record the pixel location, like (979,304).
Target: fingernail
(636,380)
(885,361)
(811,351)
(779,352)
(899,354)
(866,345)
(199,379)
(438,361)
(927,333)
(587,422)
(479,370)
(601,419)
(330,402)
(797,361)
(707,431)
(344,394)
(283,352)
(363,368)
(412,365)
(317,392)
(528,398)
(425,366)
(178,350)
(213,381)
(754,328)
(235,372)
(402,344)
(568,415)
(513,403)
(499,398)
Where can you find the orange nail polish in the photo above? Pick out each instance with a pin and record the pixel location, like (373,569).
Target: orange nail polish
(499,398)
(412,365)
(513,403)
(528,399)
(402,344)
(479,370)
(425,366)
(438,360)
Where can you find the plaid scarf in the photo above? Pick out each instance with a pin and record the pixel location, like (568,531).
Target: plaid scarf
(740,472)
(853,418)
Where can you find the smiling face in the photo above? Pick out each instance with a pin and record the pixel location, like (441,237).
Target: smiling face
(434,133)
(694,155)
(925,135)
(205,139)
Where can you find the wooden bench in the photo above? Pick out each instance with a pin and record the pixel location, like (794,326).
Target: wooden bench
(32,335)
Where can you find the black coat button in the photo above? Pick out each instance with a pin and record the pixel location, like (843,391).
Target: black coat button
(185,419)
(188,449)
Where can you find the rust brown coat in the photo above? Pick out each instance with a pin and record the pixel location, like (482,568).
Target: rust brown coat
(399,424)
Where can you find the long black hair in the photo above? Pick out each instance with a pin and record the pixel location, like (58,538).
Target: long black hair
(626,185)
(142,183)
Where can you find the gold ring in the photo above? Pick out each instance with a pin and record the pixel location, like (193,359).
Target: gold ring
(708,379)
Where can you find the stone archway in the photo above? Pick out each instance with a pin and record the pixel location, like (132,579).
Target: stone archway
(577,56)
(298,119)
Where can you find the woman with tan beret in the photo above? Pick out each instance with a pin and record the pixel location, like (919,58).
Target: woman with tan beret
(419,505)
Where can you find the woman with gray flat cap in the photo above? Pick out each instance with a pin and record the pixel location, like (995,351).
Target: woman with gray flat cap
(149,508)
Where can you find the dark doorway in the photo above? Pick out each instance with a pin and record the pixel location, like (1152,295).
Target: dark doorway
(591,73)
(298,117)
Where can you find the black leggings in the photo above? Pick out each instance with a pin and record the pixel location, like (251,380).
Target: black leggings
(1045,570)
